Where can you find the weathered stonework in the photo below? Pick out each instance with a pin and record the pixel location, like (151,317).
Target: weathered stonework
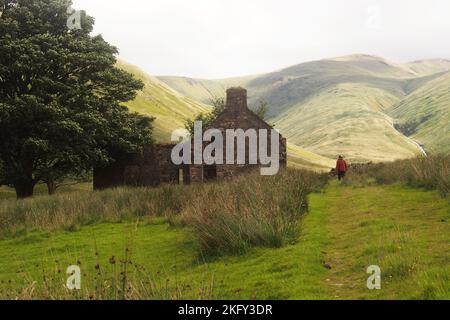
(150,168)
(154,166)
(236,115)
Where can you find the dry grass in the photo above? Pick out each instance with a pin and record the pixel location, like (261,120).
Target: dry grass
(67,211)
(255,211)
(432,173)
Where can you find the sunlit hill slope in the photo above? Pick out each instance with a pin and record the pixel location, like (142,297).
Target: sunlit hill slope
(169,108)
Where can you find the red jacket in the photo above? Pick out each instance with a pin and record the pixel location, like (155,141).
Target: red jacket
(341,165)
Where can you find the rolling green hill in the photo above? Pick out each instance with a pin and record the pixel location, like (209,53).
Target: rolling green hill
(425,114)
(300,158)
(340,105)
(202,89)
(346,119)
(429,67)
(157,99)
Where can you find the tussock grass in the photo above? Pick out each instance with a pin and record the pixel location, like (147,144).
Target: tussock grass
(253,211)
(228,217)
(67,211)
(432,173)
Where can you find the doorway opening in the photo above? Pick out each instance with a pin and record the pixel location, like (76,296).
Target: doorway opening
(210,173)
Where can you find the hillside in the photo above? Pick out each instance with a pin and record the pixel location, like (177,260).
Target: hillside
(338,105)
(157,99)
(203,89)
(302,159)
(429,67)
(346,120)
(425,114)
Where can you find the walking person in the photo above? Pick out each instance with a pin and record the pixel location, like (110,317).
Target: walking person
(341,167)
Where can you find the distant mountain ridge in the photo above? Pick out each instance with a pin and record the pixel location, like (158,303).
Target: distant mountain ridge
(348,104)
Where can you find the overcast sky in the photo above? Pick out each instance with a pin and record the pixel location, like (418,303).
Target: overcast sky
(224,38)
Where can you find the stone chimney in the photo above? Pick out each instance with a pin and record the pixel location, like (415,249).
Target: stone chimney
(236,99)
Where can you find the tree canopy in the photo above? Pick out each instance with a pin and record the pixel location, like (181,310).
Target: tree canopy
(61,96)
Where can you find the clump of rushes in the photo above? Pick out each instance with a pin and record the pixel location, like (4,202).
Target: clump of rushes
(251,211)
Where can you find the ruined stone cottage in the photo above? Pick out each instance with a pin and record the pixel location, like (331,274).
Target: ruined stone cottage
(154,165)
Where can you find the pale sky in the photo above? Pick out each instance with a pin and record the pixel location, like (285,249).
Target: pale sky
(225,38)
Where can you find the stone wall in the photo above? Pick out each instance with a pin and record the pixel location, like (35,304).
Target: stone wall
(150,168)
(237,115)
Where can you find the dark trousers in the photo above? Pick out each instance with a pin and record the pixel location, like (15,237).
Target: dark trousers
(341,175)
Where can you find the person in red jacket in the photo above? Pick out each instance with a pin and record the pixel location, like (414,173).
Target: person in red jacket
(341,167)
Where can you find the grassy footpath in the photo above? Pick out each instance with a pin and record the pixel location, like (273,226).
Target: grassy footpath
(404,231)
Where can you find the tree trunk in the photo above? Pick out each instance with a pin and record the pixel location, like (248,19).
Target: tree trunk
(51,186)
(24,189)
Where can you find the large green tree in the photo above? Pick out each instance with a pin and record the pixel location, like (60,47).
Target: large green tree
(60,96)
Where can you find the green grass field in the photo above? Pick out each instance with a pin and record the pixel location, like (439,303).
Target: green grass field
(404,231)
